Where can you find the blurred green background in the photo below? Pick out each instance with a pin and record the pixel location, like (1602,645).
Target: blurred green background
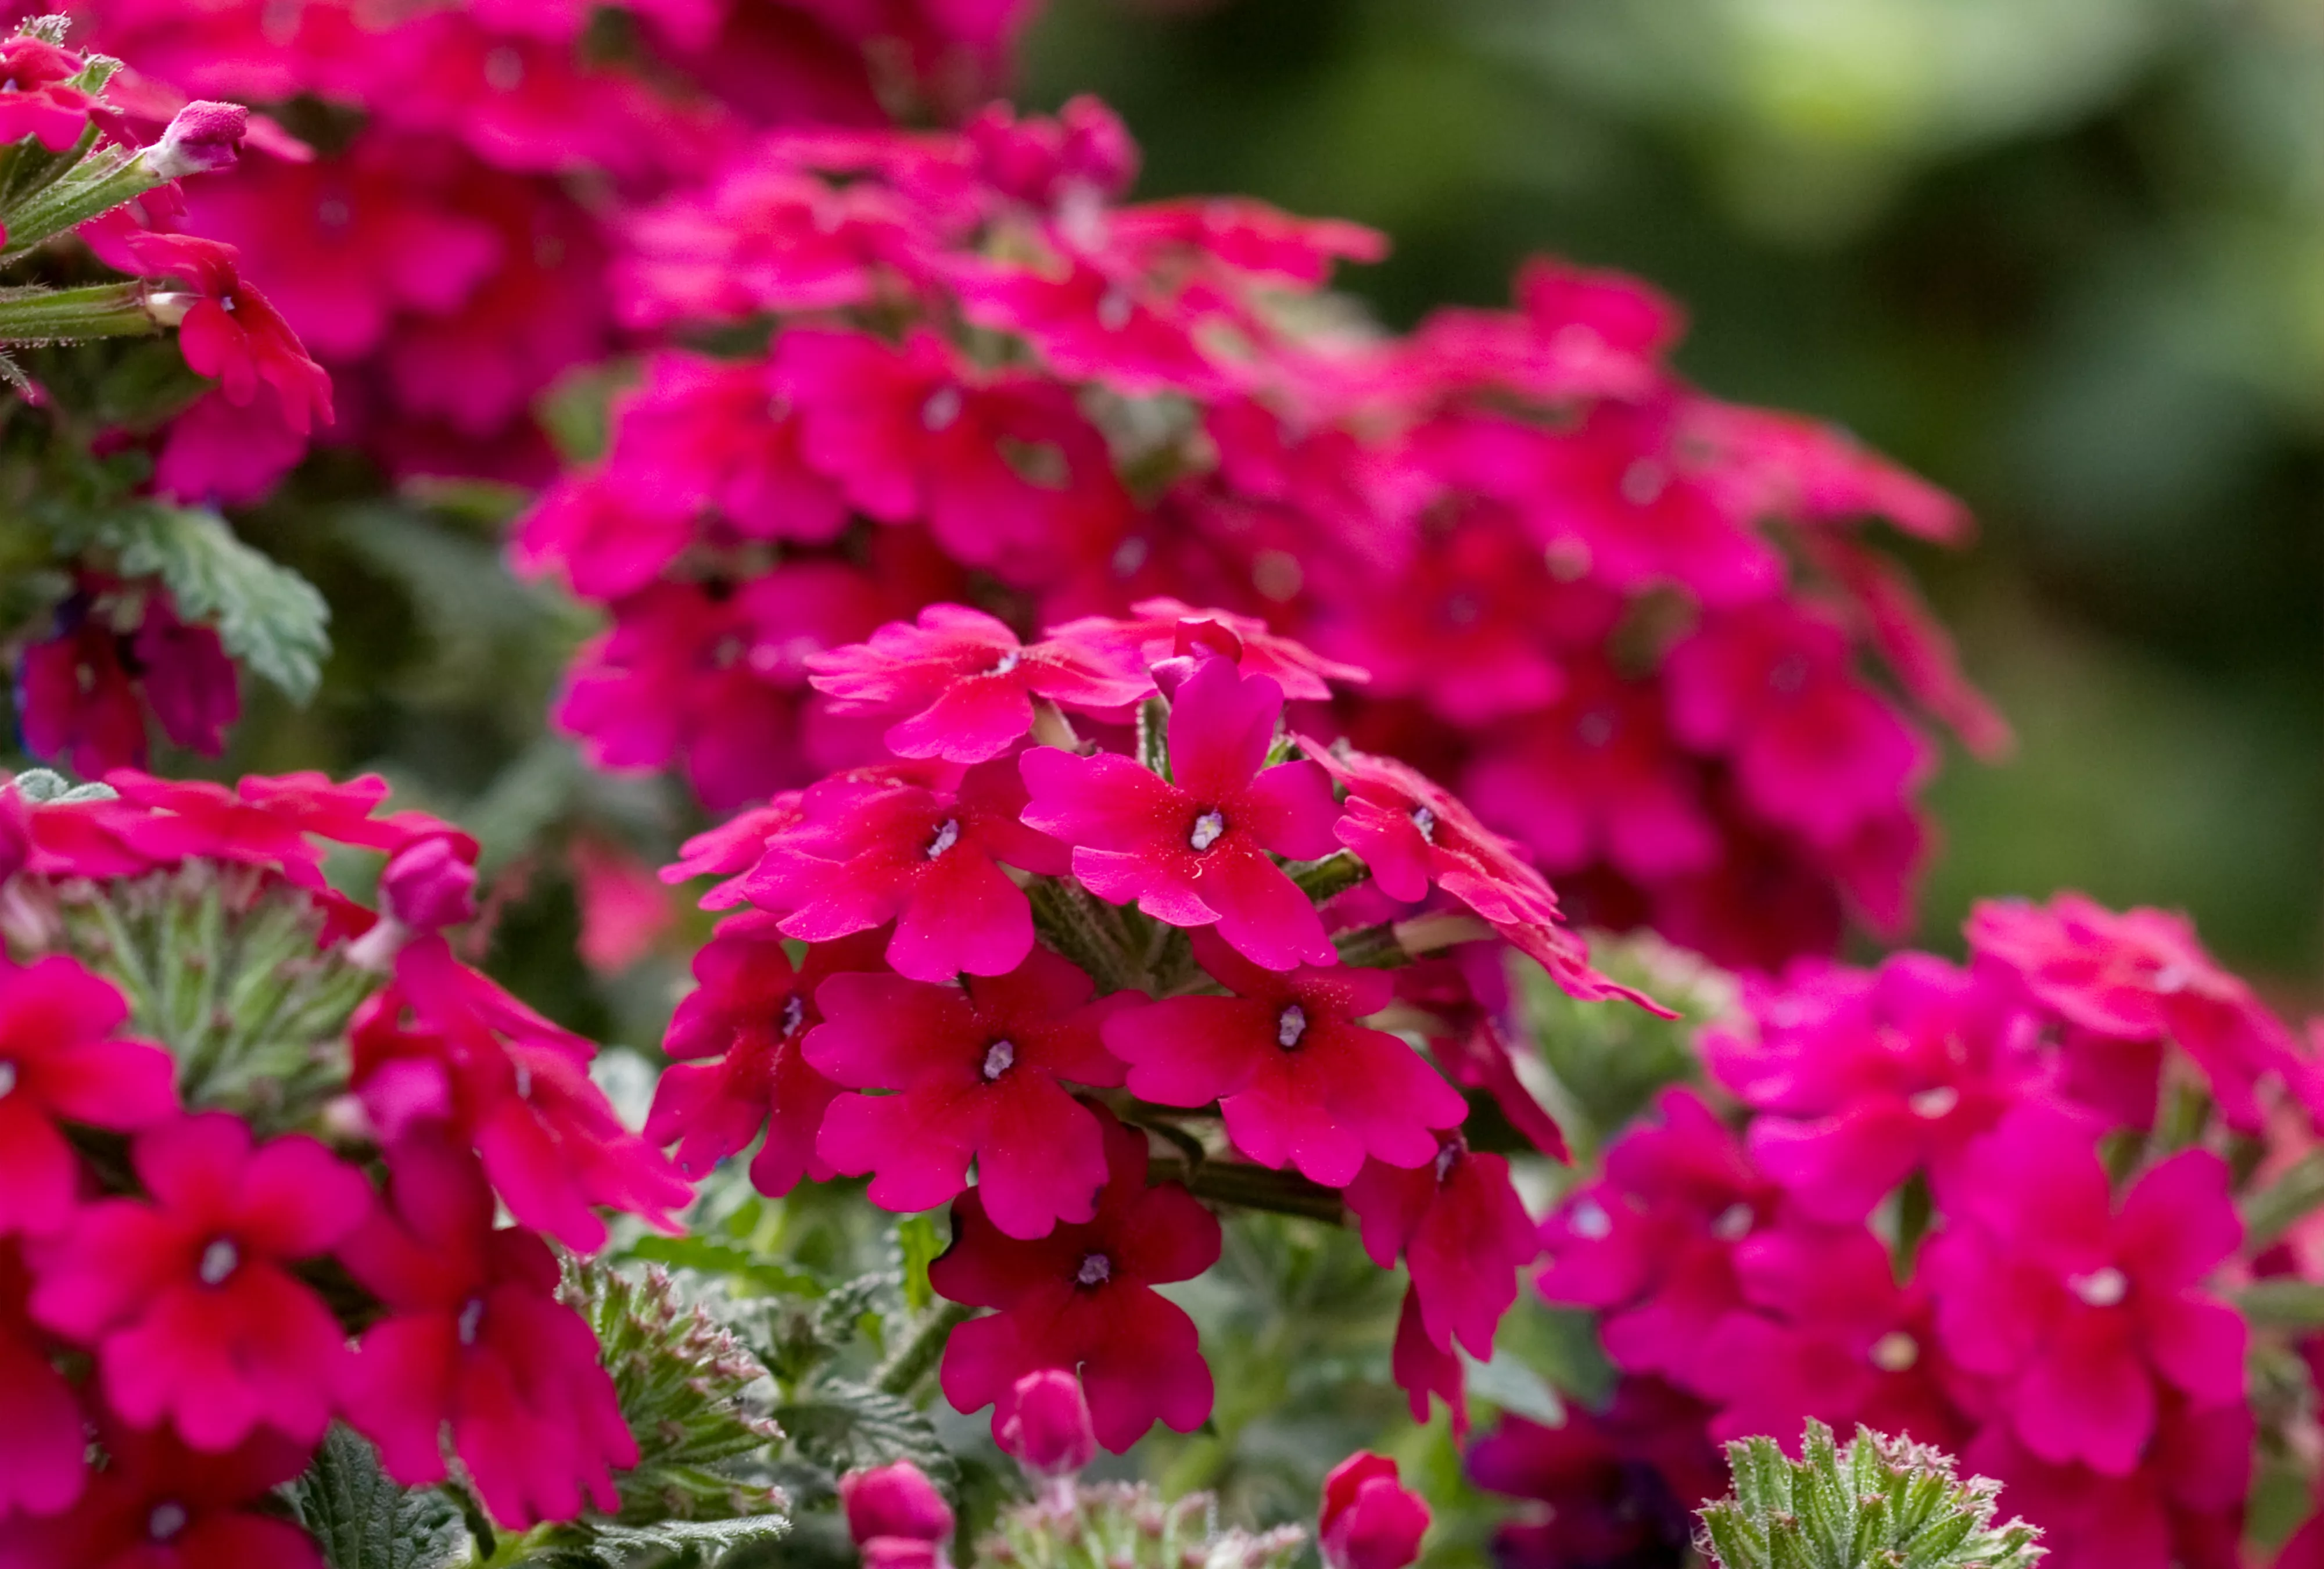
(2066,257)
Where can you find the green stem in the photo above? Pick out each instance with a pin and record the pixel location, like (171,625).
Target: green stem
(2271,1212)
(1154,736)
(47,212)
(516,1548)
(911,1361)
(2296,1304)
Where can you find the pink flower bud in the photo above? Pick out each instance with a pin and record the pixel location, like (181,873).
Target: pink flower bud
(894,1501)
(204,136)
(1050,1432)
(428,885)
(902,1553)
(1369,1520)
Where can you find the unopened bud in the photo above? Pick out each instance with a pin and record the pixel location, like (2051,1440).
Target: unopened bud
(428,885)
(205,136)
(1049,1430)
(893,1500)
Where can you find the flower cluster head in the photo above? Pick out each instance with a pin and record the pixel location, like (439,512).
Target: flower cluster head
(1635,624)
(209,1056)
(1993,1206)
(1109,897)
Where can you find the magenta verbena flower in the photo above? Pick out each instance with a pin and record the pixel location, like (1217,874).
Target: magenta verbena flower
(1370,1519)
(1081,1298)
(1193,849)
(1299,1081)
(160,1504)
(44,1438)
(973,1073)
(1462,1231)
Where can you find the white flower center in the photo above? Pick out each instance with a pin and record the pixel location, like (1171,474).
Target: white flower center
(1595,729)
(472,1319)
(1208,828)
(1289,1026)
(523,1081)
(794,1015)
(1589,1221)
(940,409)
(1096,1269)
(948,835)
(1008,663)
(999,1059)
(1446,1156)
(504,70)
(166,1520)
(2100,1287)
(7,1079)
(1895,1351)
(1425,821)
(1934,1104)
(219,1259)
(1733,1222)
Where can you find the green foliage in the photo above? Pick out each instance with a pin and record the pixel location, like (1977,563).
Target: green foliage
(268,617)
(1118,1526)
(361,1519)
(1882,1503)
(664,1544)
(840,1426)
(1608,1058)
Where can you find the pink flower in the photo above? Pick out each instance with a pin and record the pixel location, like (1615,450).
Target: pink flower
(232,332)
(261,822)
(964,684)
(2185,1504)
(1370,1519)
(1047,1429)
(1621,1486)
(975,1070)
(1089,324)
(1162,629)
(1462,1232)
(59,1063)
(926,857)
(1868,1076)
(2082,1312)
(160,1504)
(1193,849)
(896,1516)
(2142,976)
(41,104)
(429,884)
(188,1301)
(1652,1245)
(186,676)
(1299,1081)
(42,1438)
(1083,1299)
(752,1011)
(199,139)
(705,436)
(75,703)
(474,1338)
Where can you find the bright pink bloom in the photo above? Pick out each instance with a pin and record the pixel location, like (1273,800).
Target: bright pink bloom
(964,684)
(1299,1081)
(2185,1504)
(261,822)
(232,332)
(703,436)
(1088,325)
(1193,849)
(1083,1299)
(1868,1076)
(624,908)
(1619,1486)
(186,676)
(1370,1518)
(42,1441)
(752,1011)
(1162,629)
(59,1063)
(473,1337)
(1652,1245)
(188,1301)
(977,1074)
(1462,1232)
(1047,1429)
(160,1504)
(40,103)
(894,1499)
(2142,976)
(926,856)
(75,703)
(2080,1311)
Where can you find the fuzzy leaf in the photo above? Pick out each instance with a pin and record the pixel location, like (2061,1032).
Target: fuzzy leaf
(361,1519)
(268,617)
(661,1542)
(843,1425)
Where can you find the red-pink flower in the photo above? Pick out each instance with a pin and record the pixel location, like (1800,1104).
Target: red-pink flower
(2080,1311)
(925,855)
(1867,1076)
(965,685)
(1048,1428)
(186,676)
(1193,849)
(189,1301)
(1617,1487)
(1162,629)
(42,1441)
(1299,1081)
(60,1063)
(1462,1232)
(1370,1518)
(2184,1505)
(261,822)
(40,101)
(474,1339)
(160,1504)
(2142,976)
(75,702)
(232,332)
(896,1517)
(977,1073)
(1083,1299)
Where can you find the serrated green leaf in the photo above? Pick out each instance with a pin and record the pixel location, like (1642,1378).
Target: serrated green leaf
(843,1425)
(268,617)
(361,1519)
(702,1542)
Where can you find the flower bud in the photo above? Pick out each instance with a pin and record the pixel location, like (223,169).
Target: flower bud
(901,1552)
(1370,1519)
(1050,1432)
(894,1501)
(204,136)
(429,884)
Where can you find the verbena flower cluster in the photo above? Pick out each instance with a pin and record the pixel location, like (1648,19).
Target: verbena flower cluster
(1638,626)
(243,1116)
(1993,1206)
(1029,953)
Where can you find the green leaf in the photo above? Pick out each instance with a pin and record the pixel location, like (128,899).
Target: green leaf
(361,1519)
(739,1266)
(268,617)
(843,1425)
(683,1541)
(917,1241)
